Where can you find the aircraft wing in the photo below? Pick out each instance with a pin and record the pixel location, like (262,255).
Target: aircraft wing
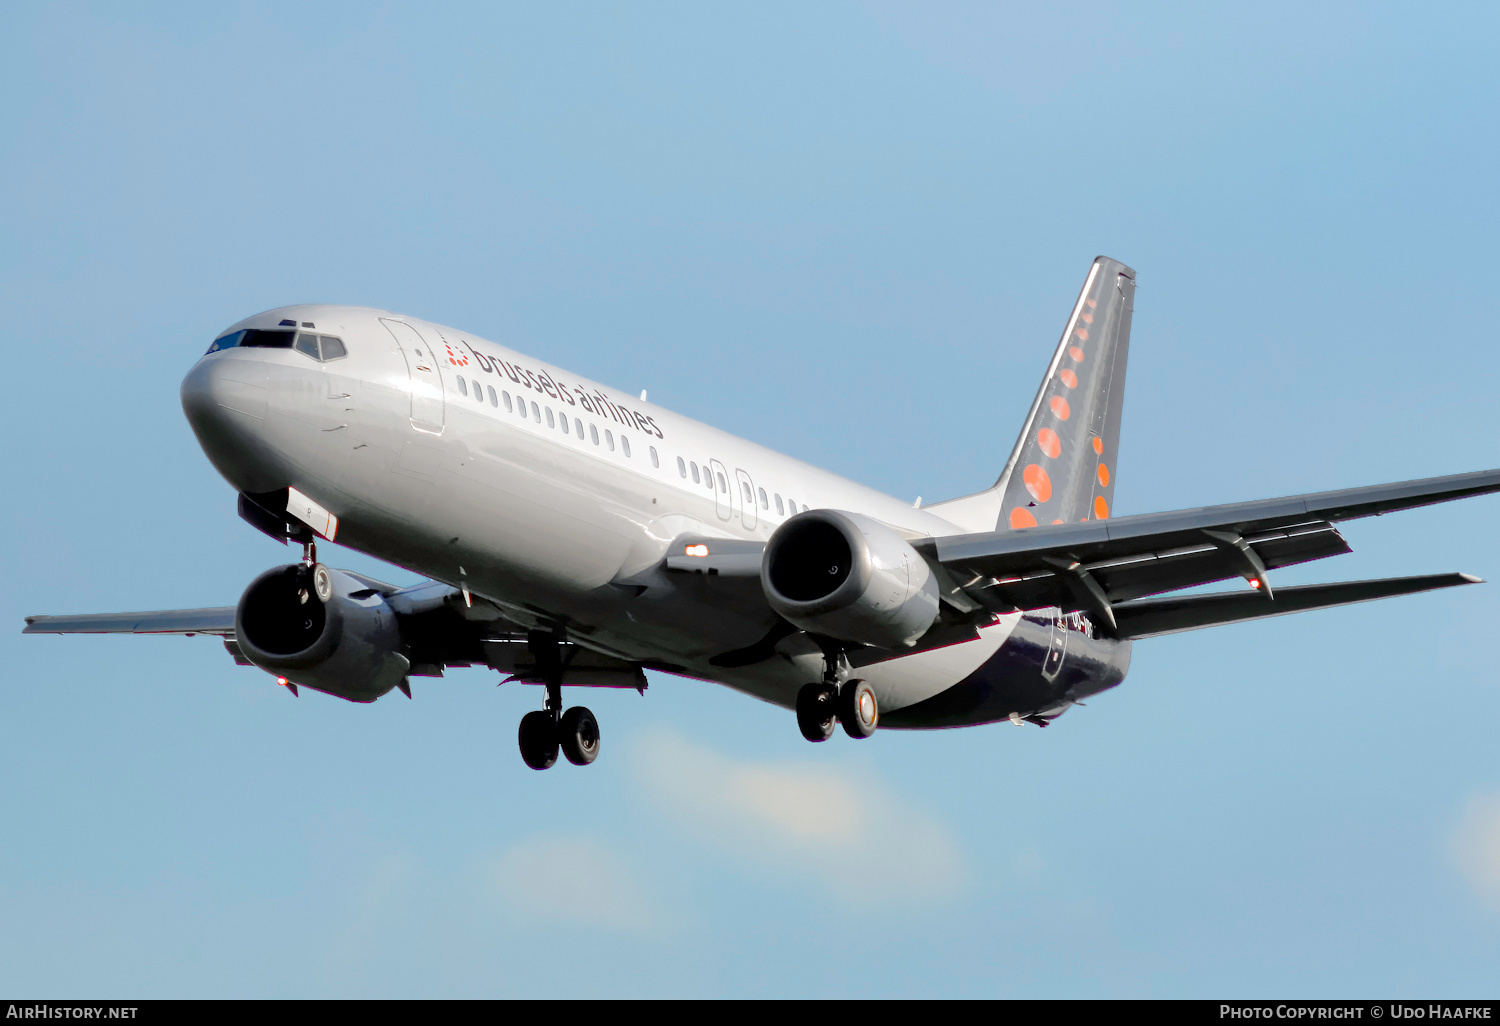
(1095,564)
(218,620)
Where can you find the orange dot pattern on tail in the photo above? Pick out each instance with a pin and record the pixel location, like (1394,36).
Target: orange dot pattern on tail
(1037,482)
(1054,479)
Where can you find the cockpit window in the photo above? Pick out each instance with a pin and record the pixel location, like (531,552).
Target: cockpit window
(254,337)
(304,342)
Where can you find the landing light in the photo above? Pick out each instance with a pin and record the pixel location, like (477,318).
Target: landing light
(695,550)
(281,681)
(1255,585)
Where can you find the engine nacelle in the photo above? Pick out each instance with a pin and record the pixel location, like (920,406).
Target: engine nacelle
(849,577)
(321,628)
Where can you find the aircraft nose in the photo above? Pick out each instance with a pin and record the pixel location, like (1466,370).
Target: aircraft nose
(224,383)
(224,398)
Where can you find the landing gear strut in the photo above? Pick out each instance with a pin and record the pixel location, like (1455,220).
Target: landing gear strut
(839,697)
(549,730)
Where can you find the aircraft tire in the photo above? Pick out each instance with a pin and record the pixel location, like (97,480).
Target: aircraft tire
(538,737)
(579,735)
(815,712)
(859,711)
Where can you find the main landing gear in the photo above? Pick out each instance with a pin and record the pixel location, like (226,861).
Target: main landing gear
(851,703)
(549,730)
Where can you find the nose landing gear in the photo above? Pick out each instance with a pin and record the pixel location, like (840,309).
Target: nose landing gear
(549,730)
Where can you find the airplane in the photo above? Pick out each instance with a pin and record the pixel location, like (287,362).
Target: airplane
(573,535)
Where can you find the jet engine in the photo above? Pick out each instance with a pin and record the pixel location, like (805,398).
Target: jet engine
(321,628)
(849,577)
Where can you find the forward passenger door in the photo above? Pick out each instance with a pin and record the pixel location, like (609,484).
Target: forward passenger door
(426,383)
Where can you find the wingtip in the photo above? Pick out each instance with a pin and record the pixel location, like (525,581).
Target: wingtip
(1471,579)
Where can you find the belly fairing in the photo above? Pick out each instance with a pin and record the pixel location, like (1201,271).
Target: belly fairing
(1017,678)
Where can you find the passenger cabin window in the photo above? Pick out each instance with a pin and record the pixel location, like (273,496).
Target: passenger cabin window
(463,389)
(578,428)
(479,393)
(655,462)
(594,433)
(494,400)
(536,413)
(625,445)
(506,397)
(609,439)
(780,509)
(562,420)
(723,485)
(793,504)
(682,469)
(763,503)
(695,473)
(749,499)
(550,422)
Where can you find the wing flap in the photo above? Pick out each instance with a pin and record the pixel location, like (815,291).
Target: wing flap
(1150,618)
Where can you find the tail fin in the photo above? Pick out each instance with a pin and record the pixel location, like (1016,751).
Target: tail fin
(1062,469)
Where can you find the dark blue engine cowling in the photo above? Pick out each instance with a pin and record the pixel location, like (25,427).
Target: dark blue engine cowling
(335,635)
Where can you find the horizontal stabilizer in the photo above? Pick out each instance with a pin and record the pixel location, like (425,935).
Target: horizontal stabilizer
(1149,618)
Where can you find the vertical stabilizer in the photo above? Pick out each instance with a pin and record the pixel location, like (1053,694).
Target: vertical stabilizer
(1062,469)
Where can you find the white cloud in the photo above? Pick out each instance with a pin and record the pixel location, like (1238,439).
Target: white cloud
(1476,846)
(574,879)
(841,825)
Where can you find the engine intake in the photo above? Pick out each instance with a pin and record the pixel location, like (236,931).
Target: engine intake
(321,628)
(849,577)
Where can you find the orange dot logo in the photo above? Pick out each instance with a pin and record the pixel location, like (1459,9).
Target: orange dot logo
(1083,334)
(1059,407)
(1037,482)
(1092,303)
(1098,446)
(1087,318)
(1076,354)
(1050,443)
(1103,476)
(1101,508)
(1021,517)
(1068,378)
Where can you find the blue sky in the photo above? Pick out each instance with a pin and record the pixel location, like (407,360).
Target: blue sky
(852,233)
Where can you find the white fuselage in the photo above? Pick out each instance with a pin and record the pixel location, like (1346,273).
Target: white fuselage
(538,490)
